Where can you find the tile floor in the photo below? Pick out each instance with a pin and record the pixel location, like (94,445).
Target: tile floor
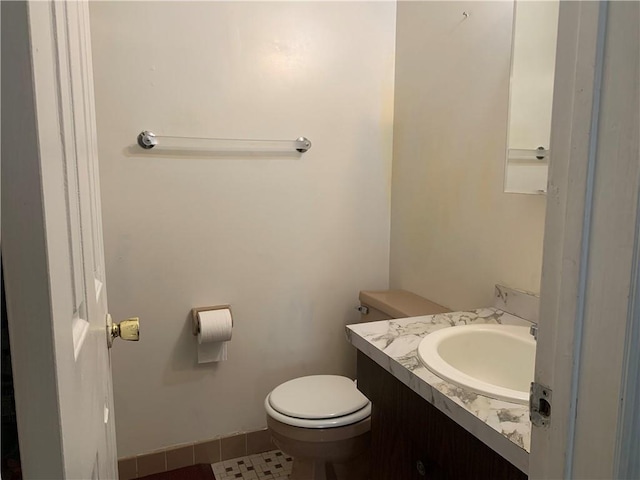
(262,466)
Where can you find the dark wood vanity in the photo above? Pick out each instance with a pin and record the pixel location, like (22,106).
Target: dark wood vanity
(412,439)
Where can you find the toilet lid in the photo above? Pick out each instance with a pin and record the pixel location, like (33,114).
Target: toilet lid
(317,397)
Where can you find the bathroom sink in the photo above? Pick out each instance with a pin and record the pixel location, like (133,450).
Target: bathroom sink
(493,360)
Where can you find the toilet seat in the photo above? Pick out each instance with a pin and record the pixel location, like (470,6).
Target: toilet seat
(318,401)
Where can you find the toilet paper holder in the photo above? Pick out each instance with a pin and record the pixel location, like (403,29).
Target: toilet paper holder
(195,319)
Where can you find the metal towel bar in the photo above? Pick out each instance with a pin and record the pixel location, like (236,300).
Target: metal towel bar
(148,140)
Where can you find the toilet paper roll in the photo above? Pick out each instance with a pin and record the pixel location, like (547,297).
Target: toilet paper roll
(214,334)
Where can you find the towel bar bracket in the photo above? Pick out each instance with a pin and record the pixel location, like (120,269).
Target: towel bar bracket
(306,144)
(147,140)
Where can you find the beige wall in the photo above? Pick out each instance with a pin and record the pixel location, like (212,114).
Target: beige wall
(287,242)
(454,233)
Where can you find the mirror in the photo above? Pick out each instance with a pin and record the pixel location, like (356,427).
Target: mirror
(533,57)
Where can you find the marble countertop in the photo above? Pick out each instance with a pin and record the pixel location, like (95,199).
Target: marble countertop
(392,344)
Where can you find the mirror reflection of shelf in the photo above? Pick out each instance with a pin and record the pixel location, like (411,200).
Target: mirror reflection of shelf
(538,154)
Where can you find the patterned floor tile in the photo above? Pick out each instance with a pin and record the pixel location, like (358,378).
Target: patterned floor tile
(273,465)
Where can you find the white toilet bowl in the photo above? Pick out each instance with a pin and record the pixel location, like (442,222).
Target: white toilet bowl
(324,423)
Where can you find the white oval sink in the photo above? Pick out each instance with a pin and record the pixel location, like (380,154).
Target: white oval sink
(493,360)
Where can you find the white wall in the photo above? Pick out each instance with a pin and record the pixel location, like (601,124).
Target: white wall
(287,242)
(454,232)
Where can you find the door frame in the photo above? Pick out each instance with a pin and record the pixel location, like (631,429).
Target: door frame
(627,464)
(587,270)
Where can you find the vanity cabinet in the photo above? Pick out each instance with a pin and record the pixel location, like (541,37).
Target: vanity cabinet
(411,439)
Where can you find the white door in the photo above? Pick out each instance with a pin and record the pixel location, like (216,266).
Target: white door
(52,243)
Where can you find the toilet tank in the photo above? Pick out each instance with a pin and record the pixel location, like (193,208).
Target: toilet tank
(388,304)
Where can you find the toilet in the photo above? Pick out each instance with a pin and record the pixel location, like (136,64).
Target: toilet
(323,421)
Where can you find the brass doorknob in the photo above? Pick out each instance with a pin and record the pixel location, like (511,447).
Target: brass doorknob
(128,329)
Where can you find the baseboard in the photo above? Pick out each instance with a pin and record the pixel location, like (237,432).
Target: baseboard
(207,451)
